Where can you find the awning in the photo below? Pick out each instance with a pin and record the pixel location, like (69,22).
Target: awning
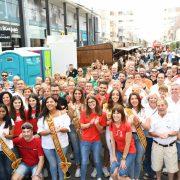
(128,48)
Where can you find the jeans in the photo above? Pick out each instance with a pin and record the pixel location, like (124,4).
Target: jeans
(74,139)
(106,157)
(54,163)
(147,160)
(23,170)
(139,156)
(96,148)
(129,171)
(5,167)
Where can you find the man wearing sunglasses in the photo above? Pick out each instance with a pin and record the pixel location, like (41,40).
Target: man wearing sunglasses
(31,152)
(4,80)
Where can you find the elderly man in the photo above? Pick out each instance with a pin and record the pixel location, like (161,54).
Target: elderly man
(31,152)
(174,106)
(164,130)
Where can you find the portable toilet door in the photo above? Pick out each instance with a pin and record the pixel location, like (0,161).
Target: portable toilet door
(12,63)
(32,68)
(47,66)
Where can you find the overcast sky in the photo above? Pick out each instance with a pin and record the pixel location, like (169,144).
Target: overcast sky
(148,13)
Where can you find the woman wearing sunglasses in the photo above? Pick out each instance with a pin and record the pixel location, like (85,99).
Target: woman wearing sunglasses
(92,122)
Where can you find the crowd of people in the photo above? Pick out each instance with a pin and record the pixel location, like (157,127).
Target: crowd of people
(123,120)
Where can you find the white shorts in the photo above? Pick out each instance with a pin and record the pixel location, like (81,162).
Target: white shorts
(167,155)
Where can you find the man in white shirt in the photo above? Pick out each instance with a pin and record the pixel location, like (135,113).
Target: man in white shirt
(174,106)
(164,130)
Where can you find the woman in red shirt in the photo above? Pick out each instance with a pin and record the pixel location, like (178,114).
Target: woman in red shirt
(33,111)
(123,147)
(92,122)
(17,113)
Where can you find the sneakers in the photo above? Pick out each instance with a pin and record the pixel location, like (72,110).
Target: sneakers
(105,172)
(68,175)
(94,173)
(78,173)
(99,178)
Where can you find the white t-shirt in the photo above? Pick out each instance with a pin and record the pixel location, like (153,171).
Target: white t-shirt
(164,124)
(9,142)
(62,121)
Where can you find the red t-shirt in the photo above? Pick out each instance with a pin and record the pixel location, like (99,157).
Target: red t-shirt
(29,151)
(17,125)
(33,120)
(119,134)
(92,134)
(99,98)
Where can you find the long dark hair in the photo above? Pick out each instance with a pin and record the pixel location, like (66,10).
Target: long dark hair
(139,101)
(13,111)
(45,111)
(98,109)
(110,101)
(3,93)
(119,109)
(82,97)
(6,118)
(34,96)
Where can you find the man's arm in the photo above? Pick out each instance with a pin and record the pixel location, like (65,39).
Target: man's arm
(39,166)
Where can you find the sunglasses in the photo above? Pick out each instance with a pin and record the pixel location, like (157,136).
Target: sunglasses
(4,75)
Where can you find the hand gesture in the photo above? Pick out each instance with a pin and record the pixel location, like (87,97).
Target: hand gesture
(163,136)
(123,164)
(92,121)
(114,159)
(4,134)
(136,120)
(96,120)
(58,129)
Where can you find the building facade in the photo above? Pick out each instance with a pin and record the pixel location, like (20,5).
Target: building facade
(30,21)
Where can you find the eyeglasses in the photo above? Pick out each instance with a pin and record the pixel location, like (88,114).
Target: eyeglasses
(90,102)
(4,75)
(79,71)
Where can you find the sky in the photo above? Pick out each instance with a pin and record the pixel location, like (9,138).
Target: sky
(148,13)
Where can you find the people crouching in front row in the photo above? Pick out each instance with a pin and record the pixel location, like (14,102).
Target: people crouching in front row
(31,152)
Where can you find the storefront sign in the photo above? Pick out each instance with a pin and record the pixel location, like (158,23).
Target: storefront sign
(5,36)
(12,28)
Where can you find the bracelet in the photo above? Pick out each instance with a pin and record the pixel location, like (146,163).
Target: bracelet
(123,158)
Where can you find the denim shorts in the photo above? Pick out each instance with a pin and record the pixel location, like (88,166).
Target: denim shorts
(130,159)
(24,169)
(178,150)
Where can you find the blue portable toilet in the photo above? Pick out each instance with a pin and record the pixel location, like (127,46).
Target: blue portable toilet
(22,63)
(45,59)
